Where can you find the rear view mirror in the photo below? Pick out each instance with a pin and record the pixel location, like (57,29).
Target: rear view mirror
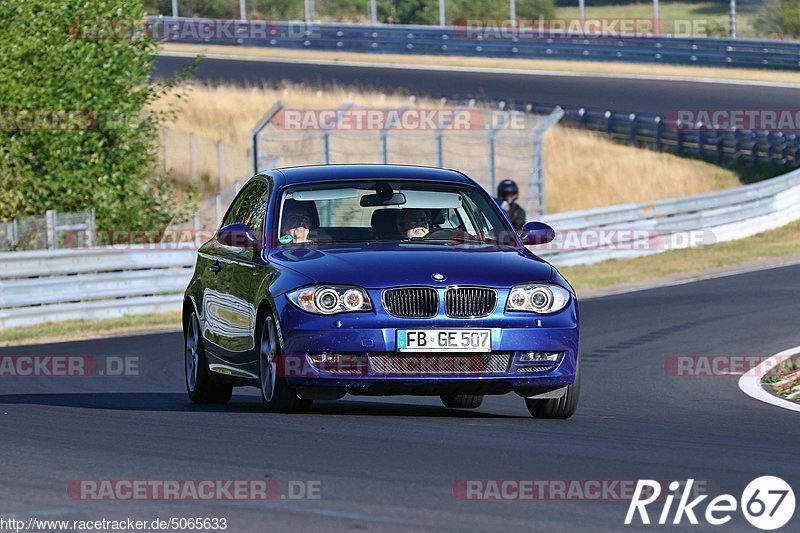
(238,235)
(377,200)
(537,233)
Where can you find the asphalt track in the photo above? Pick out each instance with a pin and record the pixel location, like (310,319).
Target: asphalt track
(655,97)
(391,464)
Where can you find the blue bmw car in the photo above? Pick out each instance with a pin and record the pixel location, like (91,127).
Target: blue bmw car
(330,280)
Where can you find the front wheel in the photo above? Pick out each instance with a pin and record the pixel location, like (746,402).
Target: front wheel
(557,408)
(277,395)
(200,384)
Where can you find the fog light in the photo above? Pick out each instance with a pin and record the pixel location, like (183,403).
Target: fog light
(338,359)
(539,357)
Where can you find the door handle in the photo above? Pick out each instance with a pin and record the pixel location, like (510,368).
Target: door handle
(216,268)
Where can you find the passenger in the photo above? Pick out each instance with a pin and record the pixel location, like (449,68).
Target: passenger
(296,222)
(413,223)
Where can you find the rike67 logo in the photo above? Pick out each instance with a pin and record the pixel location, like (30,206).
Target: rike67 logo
(767,503)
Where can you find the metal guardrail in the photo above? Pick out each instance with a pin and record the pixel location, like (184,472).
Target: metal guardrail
(675,222)
(458,41)
(777,148)
(56,285)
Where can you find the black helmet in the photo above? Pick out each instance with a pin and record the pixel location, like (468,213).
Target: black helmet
(507,187)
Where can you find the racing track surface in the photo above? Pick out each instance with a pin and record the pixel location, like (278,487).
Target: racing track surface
(391,464)
(635,95)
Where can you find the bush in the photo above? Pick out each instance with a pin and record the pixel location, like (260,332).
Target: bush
(75,133)
(779,18)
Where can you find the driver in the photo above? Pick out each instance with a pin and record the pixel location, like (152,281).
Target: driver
(413,223)
(295,222)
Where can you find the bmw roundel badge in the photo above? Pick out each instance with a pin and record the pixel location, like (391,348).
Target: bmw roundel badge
(438,277)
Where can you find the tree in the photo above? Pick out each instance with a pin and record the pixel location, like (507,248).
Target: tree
(75,130)
(779,18)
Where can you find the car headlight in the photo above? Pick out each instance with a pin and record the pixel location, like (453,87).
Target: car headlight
(330,299)
(537,297)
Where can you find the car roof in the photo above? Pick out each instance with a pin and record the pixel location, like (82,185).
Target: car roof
(303,174)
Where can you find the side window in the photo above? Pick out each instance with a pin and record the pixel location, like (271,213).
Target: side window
(249,207)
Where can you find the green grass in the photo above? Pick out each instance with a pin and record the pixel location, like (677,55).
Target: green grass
(713,14)
(770,244)
(86,328)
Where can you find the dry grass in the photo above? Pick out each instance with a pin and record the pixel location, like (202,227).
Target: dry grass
(583,169)
(589,67)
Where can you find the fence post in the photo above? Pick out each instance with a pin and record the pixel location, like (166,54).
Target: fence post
(326,149)
(50,221)
(167,165)
(92,240)
(218,208)
(384,146)
(221,164)
(193,156)
(659,132)
(14,234)
(538,170)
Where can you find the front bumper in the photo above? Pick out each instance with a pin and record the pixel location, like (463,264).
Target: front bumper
(371,336)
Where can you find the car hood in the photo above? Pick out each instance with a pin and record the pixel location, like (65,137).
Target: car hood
(378,265)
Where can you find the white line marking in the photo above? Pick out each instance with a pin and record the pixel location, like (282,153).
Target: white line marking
(521,72)
(750,382)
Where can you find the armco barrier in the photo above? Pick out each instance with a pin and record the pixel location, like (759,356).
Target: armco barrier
(459,41)
(673,223)
(56,285)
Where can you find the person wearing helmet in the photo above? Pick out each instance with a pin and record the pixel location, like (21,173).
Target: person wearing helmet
(507,194)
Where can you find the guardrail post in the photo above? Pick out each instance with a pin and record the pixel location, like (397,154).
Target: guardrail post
(659,132)
(633,128)
(609,126)
(737,146)
(678,137)
(221,164)
(91,241)
(50,222)
(14,238)
(701,140)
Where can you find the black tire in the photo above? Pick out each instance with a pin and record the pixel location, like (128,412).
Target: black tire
(558,408)
(201,386)
(462,401)
(277,395)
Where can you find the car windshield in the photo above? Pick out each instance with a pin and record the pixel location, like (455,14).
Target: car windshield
(389,211)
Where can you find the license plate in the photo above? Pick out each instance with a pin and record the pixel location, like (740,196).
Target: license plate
(444,340)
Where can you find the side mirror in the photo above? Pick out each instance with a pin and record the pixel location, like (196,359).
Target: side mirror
(537,233)
(238,235)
